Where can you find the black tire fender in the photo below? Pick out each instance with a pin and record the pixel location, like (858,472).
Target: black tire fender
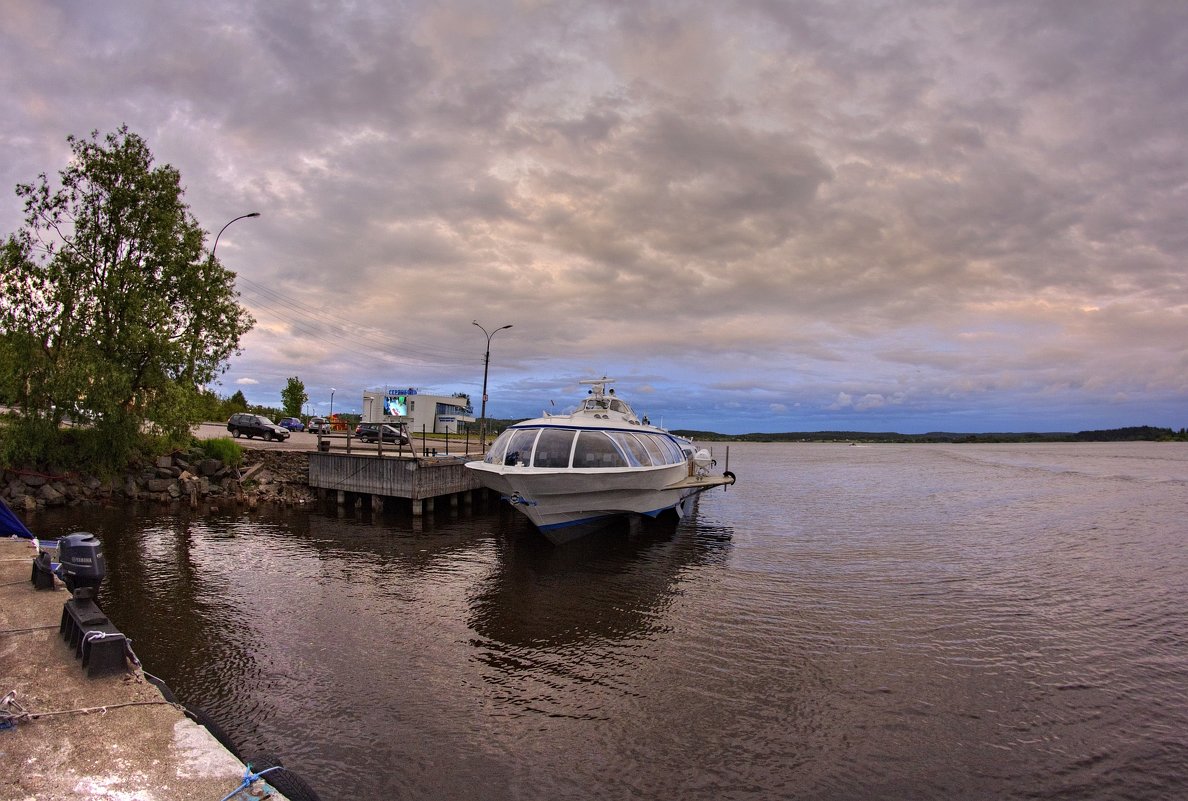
(162,687)
(291,784)
(204,720)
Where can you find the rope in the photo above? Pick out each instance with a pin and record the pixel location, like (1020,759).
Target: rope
(101,709)
(249,779)
(128,652)
(24,714)
(34,628)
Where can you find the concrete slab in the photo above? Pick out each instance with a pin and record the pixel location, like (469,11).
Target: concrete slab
(108,737)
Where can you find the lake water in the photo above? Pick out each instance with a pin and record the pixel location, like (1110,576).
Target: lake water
(847,622)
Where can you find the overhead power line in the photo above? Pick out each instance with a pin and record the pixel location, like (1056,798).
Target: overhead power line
(352,337)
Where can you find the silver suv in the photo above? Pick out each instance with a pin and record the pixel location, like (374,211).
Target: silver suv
(255,425)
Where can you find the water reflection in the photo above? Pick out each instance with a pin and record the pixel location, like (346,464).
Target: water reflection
(383,633)
(897,622)
(614,586)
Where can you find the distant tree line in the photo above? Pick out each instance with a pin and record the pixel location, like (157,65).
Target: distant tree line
(1129,434)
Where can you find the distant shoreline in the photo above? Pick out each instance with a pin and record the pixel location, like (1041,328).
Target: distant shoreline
(1132,434)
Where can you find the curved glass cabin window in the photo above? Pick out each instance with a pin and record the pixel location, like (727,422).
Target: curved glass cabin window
(498,447)
(651,442)
(518,449)
(595,449)
(637,454)
(675,453)
(553,447)
(671,451)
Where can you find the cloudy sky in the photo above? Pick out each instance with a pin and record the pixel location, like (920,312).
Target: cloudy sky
(756,215)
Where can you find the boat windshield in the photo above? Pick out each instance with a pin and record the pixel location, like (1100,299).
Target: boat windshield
(519,446)
(605,404)
(513,447)
(584,449)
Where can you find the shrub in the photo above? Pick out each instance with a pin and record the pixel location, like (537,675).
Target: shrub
(39,444)
(224,449)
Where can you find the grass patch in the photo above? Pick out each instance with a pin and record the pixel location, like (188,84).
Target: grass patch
(225,449)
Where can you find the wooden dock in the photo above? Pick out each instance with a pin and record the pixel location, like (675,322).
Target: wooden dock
(424,481)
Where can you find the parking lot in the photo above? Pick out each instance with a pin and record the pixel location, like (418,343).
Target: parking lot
(297,441)
(304,441)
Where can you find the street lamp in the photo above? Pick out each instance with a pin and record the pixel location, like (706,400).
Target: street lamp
(332,391)
(224,228)
(486,364)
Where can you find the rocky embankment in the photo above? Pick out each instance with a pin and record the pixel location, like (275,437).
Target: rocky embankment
(266,476)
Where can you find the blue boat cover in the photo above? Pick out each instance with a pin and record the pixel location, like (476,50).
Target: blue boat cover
(10,524)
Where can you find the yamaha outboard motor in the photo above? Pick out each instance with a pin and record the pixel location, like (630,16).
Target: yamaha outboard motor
(80,561)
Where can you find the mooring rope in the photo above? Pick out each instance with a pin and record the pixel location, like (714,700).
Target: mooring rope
(21,714)
(249,779)
(33,628)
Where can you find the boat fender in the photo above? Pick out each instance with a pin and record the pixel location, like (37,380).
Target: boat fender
(729,475)
(281,778)
(199,716)
(160,684)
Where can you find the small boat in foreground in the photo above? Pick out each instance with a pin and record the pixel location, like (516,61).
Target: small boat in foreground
(571,473)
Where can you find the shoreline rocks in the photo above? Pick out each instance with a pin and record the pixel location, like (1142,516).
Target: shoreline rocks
(278,477)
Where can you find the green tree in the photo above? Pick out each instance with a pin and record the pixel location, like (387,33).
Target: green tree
(110,304)
(293,397)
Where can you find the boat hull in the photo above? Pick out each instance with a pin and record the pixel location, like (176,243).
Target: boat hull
(567,504)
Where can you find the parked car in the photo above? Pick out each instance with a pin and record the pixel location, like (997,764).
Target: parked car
(371,432)
(255,425)
(291,423)
(318,425)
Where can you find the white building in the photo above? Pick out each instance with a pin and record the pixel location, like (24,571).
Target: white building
(435,414)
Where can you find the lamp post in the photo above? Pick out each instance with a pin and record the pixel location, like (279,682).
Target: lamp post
(224,228)
(332,391)
(486,364)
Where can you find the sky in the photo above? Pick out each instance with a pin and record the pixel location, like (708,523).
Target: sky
(755,215)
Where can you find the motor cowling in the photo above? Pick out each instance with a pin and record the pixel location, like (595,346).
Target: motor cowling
(80,561)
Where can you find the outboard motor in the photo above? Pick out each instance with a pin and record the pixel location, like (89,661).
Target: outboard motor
(80,561)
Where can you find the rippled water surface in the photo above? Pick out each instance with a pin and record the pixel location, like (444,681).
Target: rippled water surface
(893,622)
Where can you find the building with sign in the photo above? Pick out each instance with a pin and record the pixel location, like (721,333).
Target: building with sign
(419,411)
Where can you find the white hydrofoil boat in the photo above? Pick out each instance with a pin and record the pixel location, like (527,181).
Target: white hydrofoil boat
(570,473)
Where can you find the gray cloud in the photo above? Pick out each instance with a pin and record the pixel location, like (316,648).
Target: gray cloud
(769,215)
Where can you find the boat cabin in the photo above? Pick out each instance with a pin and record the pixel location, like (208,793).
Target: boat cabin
(583,448)
(604,404)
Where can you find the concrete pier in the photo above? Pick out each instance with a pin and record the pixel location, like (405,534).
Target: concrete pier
(420,480)
(111,736)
